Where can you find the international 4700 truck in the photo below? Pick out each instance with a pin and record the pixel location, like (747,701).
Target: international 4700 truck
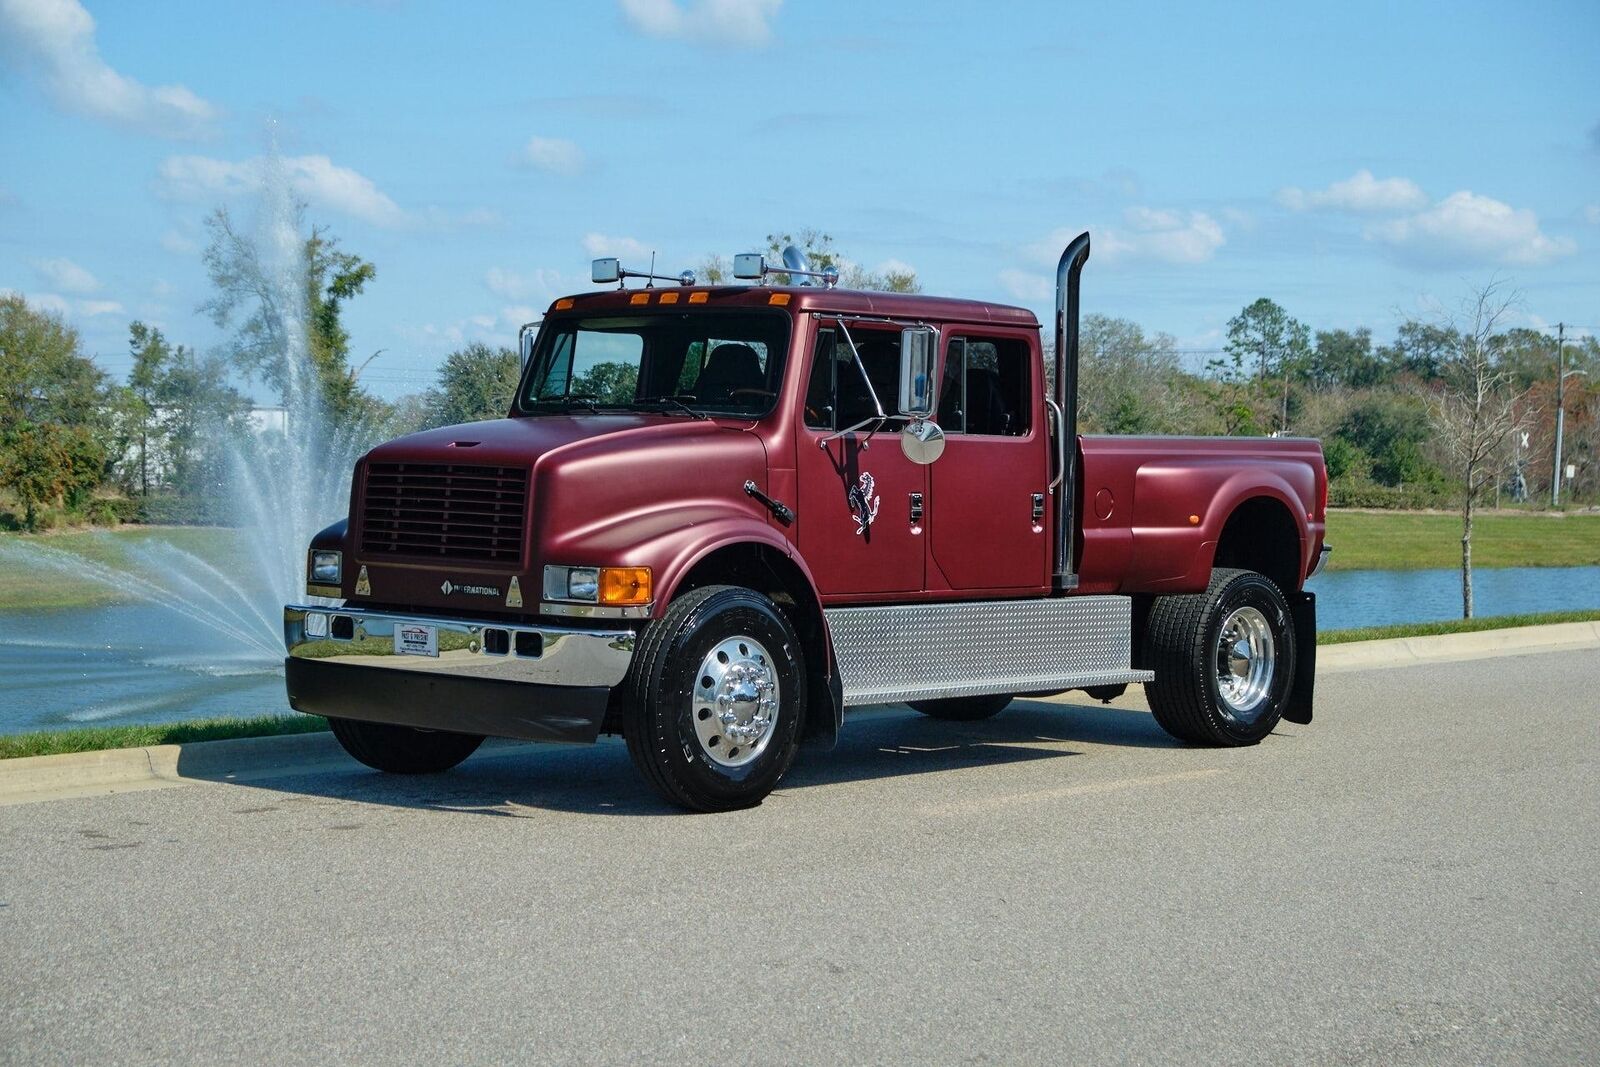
(716,517)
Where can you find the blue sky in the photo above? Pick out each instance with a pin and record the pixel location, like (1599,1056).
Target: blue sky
(1357,162)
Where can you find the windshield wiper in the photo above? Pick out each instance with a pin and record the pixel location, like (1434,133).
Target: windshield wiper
(677,401)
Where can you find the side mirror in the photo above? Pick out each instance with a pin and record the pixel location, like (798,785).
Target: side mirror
(749,266)
(917,371)
(922,441)
(525,339)
(606,270)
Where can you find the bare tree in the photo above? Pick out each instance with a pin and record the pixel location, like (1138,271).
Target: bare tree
(1475,409)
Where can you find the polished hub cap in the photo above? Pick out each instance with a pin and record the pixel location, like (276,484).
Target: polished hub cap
(1247,658)
(736,701)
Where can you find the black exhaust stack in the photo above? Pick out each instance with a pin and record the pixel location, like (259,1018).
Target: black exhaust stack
(1067,274)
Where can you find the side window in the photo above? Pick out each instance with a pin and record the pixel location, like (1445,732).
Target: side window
(985,388)
(819,390)
(836,397)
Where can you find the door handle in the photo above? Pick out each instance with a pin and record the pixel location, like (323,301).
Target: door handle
(1038,506)
(916,507)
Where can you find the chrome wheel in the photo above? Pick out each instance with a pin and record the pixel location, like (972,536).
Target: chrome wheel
(736,701)
(1247,659)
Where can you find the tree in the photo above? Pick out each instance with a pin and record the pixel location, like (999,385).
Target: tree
(476,382)
(48,463)
(43,375)
(1344,358)
(150,353)
(1420,349)
(1475,410)
(201,412)
(1127,382)
(1278,345)
(281,307)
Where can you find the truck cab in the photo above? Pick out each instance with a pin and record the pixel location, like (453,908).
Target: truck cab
(717,516)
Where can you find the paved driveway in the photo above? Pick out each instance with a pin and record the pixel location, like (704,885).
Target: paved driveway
(1411,879)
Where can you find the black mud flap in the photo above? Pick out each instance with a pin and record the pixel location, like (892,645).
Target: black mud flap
(823,723)
(1303,609)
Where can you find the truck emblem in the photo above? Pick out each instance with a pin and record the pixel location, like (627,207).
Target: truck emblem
(863,501)
(363,587)
(447,587)
(514,594)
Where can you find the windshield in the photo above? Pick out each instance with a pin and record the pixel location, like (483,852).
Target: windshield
(703,362)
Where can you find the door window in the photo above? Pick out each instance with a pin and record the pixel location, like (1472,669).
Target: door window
(985,387)
(836,397)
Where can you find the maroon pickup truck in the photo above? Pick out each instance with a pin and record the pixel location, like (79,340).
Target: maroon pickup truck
(715,517)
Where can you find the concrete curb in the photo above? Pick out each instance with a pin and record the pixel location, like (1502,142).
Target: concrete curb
(1445,648)
(35,778)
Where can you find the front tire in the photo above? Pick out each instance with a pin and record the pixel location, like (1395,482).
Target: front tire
(403,749)
(1223,660)
(714,699)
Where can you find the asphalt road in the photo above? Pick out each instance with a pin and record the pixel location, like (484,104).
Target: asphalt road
(1413,878)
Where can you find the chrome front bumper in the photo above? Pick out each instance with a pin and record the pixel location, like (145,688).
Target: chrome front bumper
(473,676)
(468,648)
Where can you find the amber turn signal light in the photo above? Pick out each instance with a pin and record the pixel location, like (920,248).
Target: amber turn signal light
(624,586)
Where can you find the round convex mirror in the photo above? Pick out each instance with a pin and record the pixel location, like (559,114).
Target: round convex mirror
(922,441)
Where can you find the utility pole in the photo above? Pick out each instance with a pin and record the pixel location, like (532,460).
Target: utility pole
(1561,415)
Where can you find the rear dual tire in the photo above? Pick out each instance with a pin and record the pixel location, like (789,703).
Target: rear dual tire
(1224,660)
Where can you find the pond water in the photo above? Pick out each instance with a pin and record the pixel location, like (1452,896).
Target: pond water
(1349,599)
(131,663)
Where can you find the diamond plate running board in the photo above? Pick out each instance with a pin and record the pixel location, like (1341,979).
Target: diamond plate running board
(968,648)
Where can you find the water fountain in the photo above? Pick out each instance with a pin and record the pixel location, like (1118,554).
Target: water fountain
(194,618)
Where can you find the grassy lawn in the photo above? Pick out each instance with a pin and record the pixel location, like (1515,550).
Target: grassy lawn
(25,584)
(1453,626)
(1415,540)
(95,738)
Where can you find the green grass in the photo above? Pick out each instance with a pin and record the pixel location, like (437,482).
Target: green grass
(1453,626)
(26,584)
(95,738)
(1416,540)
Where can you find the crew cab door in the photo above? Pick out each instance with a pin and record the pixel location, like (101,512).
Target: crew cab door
(861,499)
(989,503)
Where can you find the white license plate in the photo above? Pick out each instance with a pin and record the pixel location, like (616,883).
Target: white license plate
(415,639)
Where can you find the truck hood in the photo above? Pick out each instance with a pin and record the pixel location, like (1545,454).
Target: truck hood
(596,487)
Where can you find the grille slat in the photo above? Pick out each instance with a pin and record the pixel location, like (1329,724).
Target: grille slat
(444,511)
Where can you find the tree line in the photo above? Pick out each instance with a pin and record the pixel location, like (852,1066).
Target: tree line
(75,445)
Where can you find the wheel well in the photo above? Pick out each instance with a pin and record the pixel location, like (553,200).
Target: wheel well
(1262,536)
(769,571)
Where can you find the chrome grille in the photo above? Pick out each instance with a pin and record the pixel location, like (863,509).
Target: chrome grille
(444,511)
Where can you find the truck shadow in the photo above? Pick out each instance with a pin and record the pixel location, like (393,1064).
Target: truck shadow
(876,744)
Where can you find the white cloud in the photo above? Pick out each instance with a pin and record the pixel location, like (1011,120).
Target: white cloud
(1591,214)
(1164,236)
(739,23)
(1026,285)
(316,179)
(896,266)
(598,244)
(1467,229)
(62,273)
(178,244)
(54,41)
(553,155)
(60,305)
(1361,193)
